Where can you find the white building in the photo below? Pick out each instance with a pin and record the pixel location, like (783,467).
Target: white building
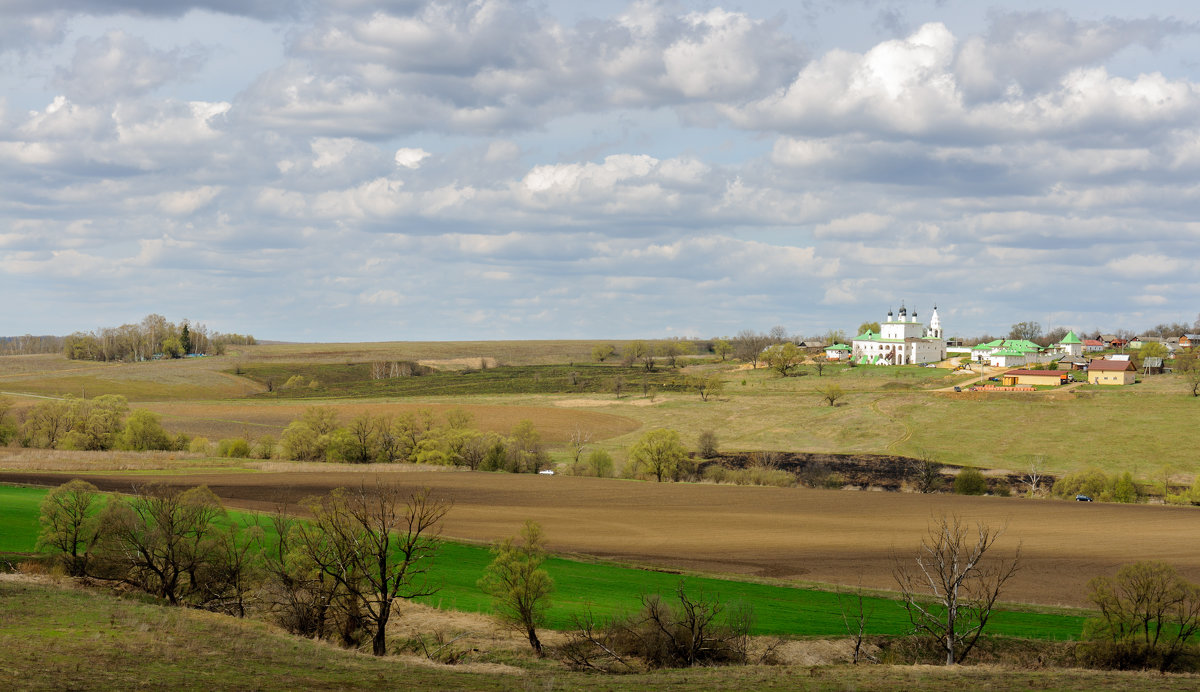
(902,340)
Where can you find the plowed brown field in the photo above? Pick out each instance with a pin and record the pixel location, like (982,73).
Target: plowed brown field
(839,537)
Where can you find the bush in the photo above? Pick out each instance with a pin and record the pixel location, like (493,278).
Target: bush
(706,444)
(688,630)
(264,448)
(199,445)
(970,481)
(236,448)
(1091,482)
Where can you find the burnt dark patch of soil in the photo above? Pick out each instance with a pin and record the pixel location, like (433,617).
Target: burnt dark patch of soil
(883,471)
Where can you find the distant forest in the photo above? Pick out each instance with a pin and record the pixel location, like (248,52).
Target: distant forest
(154,337)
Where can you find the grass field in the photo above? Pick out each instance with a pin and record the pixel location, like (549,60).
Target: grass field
(612,589)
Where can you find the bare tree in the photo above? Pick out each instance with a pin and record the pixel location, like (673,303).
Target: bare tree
(579,441)
(951,592)
(748,345)
(376,545)
(1149,611)
(1033,476)
(927,474)
(855,616)
(819,362)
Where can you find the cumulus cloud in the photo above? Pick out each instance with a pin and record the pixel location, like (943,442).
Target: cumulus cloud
(625,175)
(117,65)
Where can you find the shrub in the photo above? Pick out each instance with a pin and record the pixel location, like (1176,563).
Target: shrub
(264,448)
(199,445)
(235,448)
(688,630)
(1091,482)
(599,463)
(970,481)
(706,444)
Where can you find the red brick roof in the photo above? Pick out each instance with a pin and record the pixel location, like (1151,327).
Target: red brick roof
(1110,365)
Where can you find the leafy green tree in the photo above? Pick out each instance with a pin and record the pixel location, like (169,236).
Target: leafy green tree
(672,350)
(708,387)
(301,443)
(865,327)
(658,451)
(602,352)
(47,423)
(526,453)
(234,448)
(518,584)
(722,348)
(144,431)
(70,525)
(831,393)
(185,339)
(95,423)
(1153,349)
(599,463)
(1125,489)
(970,481)
(783,357)
(172,348)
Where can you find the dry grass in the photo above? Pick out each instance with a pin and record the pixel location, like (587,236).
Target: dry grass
(218,420)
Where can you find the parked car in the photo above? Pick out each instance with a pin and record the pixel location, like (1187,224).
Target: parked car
(1083,498)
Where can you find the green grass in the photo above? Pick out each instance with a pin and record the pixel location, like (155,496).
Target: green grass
(19,509)
(353,380)
(612,589)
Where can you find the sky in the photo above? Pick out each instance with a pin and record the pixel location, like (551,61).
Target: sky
(344,170)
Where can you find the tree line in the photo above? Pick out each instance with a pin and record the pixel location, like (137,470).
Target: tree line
(153,337)
(101,423)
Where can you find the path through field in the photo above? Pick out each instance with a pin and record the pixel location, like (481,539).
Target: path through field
(840,537)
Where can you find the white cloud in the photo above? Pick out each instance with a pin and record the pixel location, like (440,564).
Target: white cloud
(410,158)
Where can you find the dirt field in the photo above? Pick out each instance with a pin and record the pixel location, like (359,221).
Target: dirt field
(217,420)
(840,537)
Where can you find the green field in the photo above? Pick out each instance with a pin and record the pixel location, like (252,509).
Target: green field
(613,589)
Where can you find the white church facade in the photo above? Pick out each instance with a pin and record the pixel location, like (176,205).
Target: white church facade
(902,340)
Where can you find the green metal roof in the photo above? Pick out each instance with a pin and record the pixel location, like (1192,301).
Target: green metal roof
(838,347)
(1070,338)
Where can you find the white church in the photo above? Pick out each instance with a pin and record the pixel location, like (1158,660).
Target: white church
(902,340)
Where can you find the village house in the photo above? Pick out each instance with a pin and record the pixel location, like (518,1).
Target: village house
(902,340)
(1093,345)
(1034,377)
(838,352)
(1111,372)
(1009,353)
(1071,345)
(1189,340)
